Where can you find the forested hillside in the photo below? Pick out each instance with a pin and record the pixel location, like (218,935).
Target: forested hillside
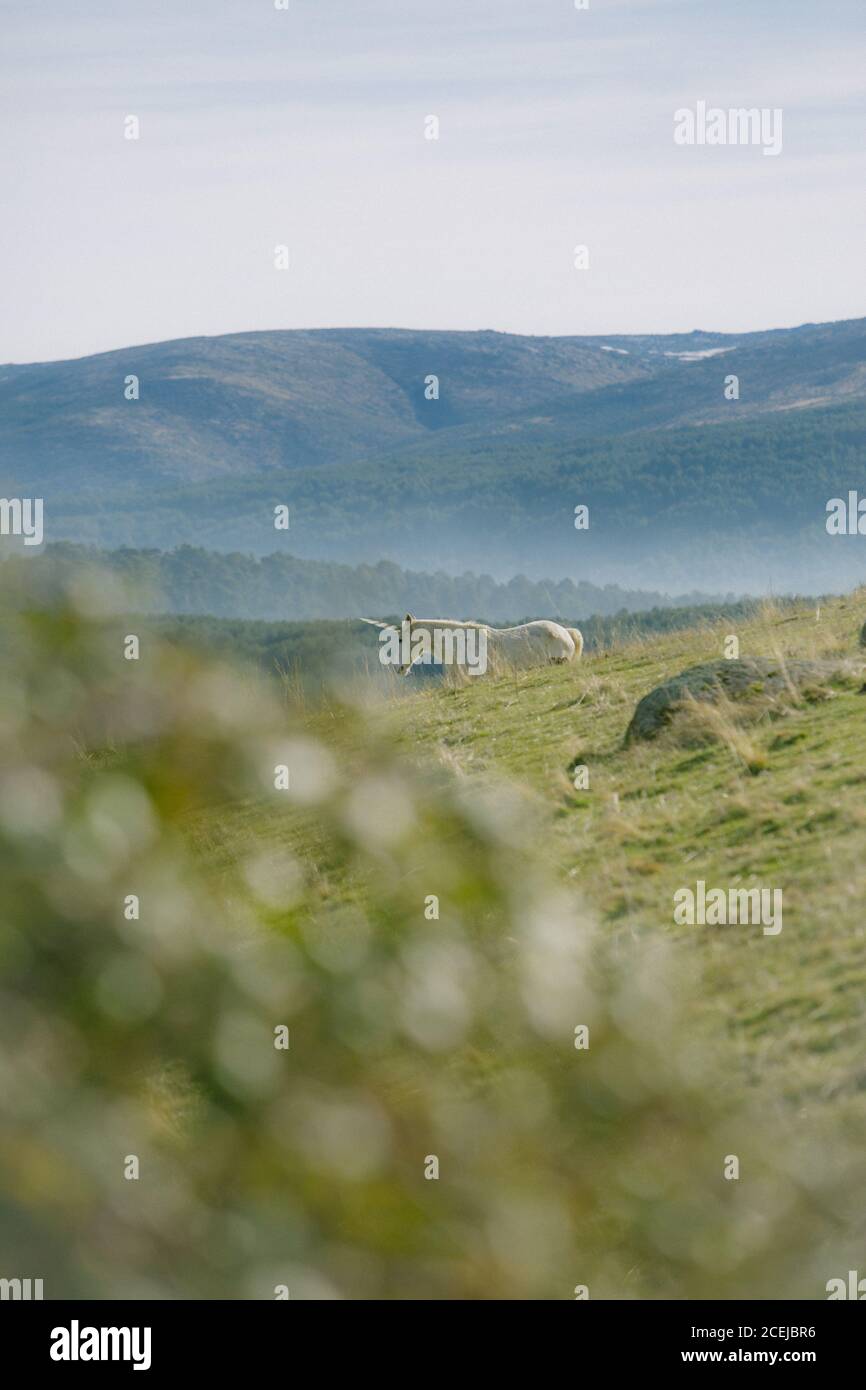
(461,451)
(196,581)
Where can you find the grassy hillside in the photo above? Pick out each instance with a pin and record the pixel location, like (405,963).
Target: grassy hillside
(769,797)
(777,802)
(787,1013)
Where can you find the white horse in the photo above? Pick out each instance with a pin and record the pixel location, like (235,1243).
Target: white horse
(537,643)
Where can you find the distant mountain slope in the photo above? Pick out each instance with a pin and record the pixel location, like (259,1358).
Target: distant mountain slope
(336,425)
(720,508)
(248,402)
(259,402)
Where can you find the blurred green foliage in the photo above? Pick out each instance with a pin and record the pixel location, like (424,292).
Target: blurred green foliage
(410,1036)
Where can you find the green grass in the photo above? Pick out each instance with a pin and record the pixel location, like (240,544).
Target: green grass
(789,1009)
(785,1014)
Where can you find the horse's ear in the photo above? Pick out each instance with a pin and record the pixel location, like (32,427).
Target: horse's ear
(409,618)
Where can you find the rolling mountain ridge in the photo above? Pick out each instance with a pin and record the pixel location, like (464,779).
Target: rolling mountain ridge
(481,468)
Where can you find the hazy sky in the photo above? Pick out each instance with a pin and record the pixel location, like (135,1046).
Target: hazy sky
(261,127)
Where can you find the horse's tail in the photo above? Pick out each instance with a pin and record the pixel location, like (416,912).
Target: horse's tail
(577,638)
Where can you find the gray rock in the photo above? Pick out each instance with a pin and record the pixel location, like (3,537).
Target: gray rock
(752,675)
